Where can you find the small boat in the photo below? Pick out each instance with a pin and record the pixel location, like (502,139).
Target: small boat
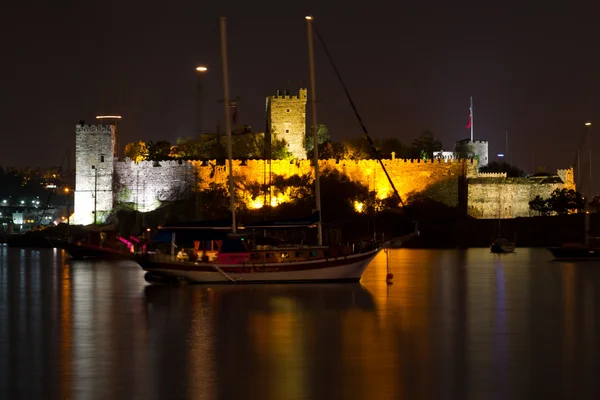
(502,245)
(574,252)
(98,244)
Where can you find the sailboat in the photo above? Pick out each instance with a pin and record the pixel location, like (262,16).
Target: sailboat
(590,248)
(235,257)
(502,244)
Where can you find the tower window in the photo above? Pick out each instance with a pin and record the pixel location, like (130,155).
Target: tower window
(287,110)
(287,131)
(101,158)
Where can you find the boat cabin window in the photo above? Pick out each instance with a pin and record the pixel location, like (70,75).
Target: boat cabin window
(269,256)
(254,256)
(285,254)
(313,253)
(298,254)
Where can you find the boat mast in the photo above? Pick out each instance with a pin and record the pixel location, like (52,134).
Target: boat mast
(311,63)
(587,196)
(227,120)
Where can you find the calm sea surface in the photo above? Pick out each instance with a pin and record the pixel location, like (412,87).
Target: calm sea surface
(455,324)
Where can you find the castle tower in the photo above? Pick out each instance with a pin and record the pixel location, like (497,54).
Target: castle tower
(94,167)
(467,148)
(286,119)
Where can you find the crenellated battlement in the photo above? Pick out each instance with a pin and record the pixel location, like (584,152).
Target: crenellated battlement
(94,129)
(491,175)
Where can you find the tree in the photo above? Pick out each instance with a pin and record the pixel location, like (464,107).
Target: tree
(511,170)
(136,151)
(159,150)
(329,150)
(563,201)
(540,205)
(279,149)
(389,145)
(424,146)
(322,137)
(358,149)
(186,148)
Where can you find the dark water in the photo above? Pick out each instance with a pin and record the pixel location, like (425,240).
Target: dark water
(455,324)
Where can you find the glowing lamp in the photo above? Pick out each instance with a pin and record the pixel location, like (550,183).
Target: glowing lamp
(201,69)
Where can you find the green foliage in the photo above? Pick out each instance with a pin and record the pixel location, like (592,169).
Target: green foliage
(299,186)
(136,151)
(160,150)
(424,146)
(511,170)
(561,201)
(124,194)
(540,205)
(248,145)
(322,137)
(389,145)
(564,201)
(279,149)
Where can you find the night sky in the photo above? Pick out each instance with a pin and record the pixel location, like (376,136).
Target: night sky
(533,70)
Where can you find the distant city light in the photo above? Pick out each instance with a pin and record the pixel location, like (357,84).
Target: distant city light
(588,124)
(308,17)
(201,69)
(500,155)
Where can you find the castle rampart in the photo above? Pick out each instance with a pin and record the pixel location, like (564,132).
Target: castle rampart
(148,183)
(493,195)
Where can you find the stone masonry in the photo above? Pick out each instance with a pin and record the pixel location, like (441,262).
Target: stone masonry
(286,118)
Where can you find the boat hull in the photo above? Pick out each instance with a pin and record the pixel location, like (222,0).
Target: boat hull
(500,249)
(82,251)
(574,253)
(349,269)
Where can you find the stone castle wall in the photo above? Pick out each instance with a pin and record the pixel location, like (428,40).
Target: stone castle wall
(286,117)
(493,195)
(147,184)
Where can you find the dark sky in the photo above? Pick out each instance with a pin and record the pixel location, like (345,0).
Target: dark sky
(533,70)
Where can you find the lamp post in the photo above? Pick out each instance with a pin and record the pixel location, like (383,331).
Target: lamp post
(200,98)
(95,191)
(68,210)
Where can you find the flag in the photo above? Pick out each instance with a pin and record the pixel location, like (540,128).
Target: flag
(470,118)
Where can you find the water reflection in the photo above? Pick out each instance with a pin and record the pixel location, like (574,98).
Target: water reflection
(454,324)
(272,340)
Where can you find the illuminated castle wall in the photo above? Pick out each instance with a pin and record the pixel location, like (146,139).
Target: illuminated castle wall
(493,195)
(147,184)
(286,118)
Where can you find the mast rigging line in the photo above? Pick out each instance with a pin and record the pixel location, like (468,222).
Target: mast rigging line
(364,128)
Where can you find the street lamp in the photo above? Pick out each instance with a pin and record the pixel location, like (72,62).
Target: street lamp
(68,210)
(199,97)
(95,191)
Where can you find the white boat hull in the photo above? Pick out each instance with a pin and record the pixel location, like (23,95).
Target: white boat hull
(348,268)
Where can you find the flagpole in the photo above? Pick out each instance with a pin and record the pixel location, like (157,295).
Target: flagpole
(472,119)
(228,121)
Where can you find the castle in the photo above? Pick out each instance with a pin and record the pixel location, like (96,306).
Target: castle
(103,180)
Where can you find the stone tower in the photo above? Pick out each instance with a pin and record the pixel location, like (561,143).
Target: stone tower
(94,167)
(286,119)
(469,149)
